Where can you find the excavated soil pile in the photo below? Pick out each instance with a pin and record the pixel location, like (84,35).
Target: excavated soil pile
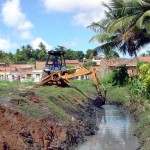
(18,131)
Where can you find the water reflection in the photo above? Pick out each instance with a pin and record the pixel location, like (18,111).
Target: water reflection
(115,131)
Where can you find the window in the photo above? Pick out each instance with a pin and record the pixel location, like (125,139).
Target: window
(29,76)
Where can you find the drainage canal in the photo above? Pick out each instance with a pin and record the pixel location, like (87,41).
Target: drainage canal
(115,131)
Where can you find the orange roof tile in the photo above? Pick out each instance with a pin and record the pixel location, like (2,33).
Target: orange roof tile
(72,61)
(19,66)
(146,58)
(40,64)
(8,69)
(98,57)
(115,61)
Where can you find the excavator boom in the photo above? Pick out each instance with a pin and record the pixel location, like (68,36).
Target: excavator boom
(59,74)
(60,79)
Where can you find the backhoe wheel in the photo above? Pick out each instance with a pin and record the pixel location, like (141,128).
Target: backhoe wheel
(44,74)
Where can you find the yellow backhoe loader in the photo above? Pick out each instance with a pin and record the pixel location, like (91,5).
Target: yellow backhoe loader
(56,73)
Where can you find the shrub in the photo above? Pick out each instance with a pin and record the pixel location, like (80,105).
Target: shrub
(144,78)
(119,76)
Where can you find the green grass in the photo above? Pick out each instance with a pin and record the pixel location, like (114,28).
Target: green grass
(29,108)
(61,101)
(117,95)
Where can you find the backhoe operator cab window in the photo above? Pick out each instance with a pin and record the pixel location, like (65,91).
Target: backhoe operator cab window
(55,63)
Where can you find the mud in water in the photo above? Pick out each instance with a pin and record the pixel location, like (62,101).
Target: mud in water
(115,131)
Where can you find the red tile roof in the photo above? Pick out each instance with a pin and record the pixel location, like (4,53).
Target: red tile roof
(72,61)
(20,66)
(132,62)
(40,64)
(115,61)
(146,58)
(8,69)
(98,57)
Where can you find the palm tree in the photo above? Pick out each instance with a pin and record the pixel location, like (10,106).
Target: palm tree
(126,26)
(42,47)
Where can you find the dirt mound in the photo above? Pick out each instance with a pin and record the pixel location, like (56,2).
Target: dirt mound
(18,132)
(31,96)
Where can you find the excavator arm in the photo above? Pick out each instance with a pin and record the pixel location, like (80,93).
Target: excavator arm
(92,73)
(59,78)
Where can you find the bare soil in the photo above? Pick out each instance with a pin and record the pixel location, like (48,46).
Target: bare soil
(18,131)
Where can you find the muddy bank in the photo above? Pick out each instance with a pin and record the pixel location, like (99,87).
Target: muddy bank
(23,132)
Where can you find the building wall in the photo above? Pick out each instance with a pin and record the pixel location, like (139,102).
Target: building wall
(131,70)
(103,69)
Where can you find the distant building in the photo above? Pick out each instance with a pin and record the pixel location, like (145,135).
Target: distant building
(26,71)
(107,65)
(97,59)
(8,72)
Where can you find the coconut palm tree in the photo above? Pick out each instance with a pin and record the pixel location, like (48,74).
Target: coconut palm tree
(126,26)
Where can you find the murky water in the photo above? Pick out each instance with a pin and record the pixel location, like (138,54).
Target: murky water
(116,131)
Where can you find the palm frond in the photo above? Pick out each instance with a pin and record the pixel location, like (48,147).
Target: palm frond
(97,27)
(147,25)
(138,2)
(105,37)
(130,33)
(141,20)
(121,23)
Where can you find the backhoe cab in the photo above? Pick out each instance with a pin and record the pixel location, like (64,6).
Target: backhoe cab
(55,62)
(55,73)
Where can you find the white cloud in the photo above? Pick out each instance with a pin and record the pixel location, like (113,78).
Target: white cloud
(25,35)
(85,11)
(13,17)
(6,45)
(70,6)
(71,44)
(86,18)
(35,43)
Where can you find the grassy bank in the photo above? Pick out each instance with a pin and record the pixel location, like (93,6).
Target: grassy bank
(63,103)
(139,108)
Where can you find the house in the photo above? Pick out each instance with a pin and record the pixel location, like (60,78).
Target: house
(145,59)
(8,72)
(26,71)
(97,59)
(107,65)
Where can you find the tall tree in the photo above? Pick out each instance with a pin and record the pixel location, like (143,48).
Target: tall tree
(90,53)
(126,26)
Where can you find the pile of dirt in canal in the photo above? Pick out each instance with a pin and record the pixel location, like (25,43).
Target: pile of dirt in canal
(37,120)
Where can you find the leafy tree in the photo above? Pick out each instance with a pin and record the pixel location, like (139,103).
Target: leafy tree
(111,54)
(31,61)
(90,53)
(148,53)
(119,76)
(60,48)
(42,47)
(89,63)
(41,55)
(145,77)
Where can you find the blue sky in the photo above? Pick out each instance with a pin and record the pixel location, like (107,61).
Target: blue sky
(53,22)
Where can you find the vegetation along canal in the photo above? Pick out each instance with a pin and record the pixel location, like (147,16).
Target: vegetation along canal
(115,131)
